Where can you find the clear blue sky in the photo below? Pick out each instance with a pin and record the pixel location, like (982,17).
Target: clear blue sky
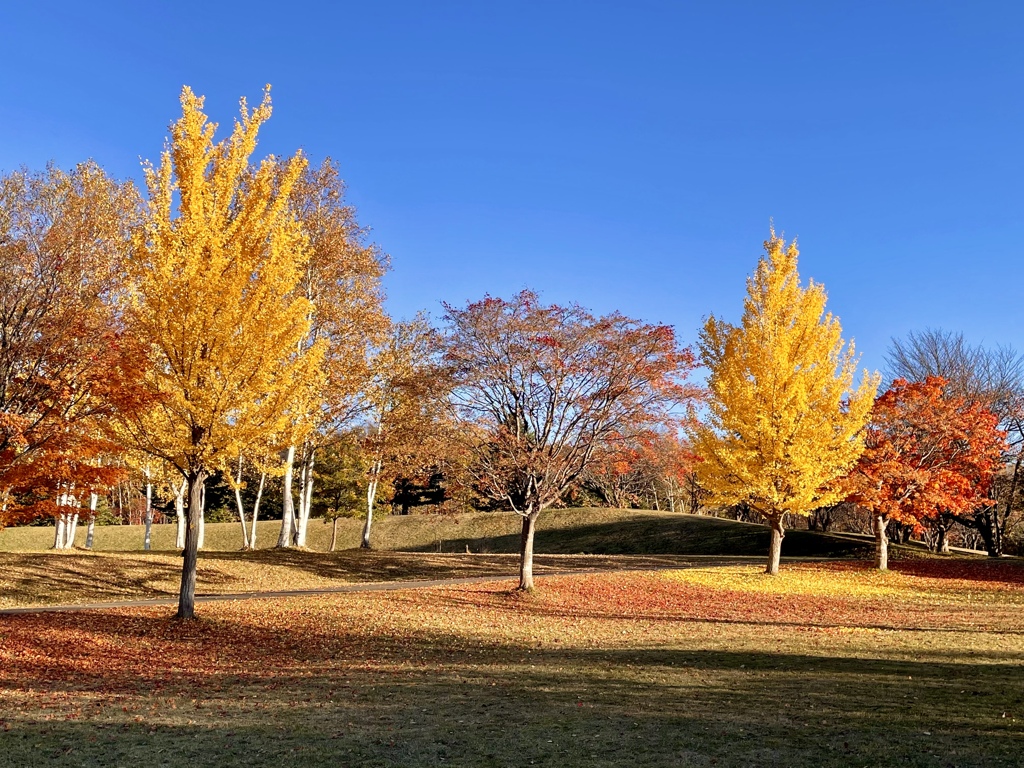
(623,155)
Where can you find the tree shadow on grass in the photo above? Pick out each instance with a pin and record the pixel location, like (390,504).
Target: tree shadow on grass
(351,698)
(658,535)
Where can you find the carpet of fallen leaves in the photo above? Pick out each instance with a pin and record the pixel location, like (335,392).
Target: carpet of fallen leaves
(52,578)
(827,664)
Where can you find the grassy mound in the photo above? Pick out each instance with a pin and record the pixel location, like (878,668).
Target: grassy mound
(559,531)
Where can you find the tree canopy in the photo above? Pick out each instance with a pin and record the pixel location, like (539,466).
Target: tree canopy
(784,421)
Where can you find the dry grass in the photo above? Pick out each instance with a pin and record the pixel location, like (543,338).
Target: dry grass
(559,531)
(700,667)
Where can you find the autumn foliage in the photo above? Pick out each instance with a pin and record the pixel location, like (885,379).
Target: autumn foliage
(66,365)
(541,388)
(784,420)
(926,453)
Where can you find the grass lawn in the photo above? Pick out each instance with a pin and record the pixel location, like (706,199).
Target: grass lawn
(829,664)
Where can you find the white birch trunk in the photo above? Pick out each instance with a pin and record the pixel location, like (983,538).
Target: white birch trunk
(90,530)
(72,528)
(202,518)
(179,512)
(371,496)
(240,505)
(58,533)
(256,511)
(306,498)
(147,541)
(288,511)
(61,522)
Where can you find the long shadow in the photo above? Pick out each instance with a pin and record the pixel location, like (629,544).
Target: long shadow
(355,698)
(658,535)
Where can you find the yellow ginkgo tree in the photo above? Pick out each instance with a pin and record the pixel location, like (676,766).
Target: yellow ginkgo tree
(784,421)
(216,266)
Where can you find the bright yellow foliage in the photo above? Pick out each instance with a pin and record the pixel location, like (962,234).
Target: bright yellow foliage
(784,422)
(215,274)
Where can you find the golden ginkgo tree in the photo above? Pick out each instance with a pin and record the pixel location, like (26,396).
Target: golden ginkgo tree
(784,421)
(217,262)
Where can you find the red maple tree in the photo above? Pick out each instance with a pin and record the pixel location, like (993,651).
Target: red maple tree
(925,453)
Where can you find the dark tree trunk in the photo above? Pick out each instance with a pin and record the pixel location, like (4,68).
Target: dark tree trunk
(526,550)
(190,555)
(881,543)
(775,546)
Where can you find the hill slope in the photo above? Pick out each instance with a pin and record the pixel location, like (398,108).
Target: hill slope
(559,531)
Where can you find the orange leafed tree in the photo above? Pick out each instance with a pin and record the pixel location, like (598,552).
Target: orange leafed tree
(65,365)
(925,453)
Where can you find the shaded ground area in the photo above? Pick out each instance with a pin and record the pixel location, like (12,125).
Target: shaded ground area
(69,578)
(828,665)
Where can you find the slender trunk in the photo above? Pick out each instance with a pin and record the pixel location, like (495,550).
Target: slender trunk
(301,508)
(190,558)
(179,511)
(240,505)
(775,546)
(334,535)
(306,497)
(288,516)
(202,516)
(1001,522)
(256,511)
(881,543)
(90,530)
(654,490)
(58,533)
(671,495)
(72,530)
(147,542)
(526,549)
(371,495)
(996,550)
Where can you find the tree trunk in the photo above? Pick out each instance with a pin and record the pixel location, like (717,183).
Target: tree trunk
(190,558)
(334,535)
(371,495)
(147,541)
(526,550)
(58,532)
(881,543)
(256,511)
(179,511)
(202,515)
(306,498)
(72,529)
(287,535)
(775,546)
(90,530)
(240,505)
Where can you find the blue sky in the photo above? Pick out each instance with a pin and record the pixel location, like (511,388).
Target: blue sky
(626,156)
